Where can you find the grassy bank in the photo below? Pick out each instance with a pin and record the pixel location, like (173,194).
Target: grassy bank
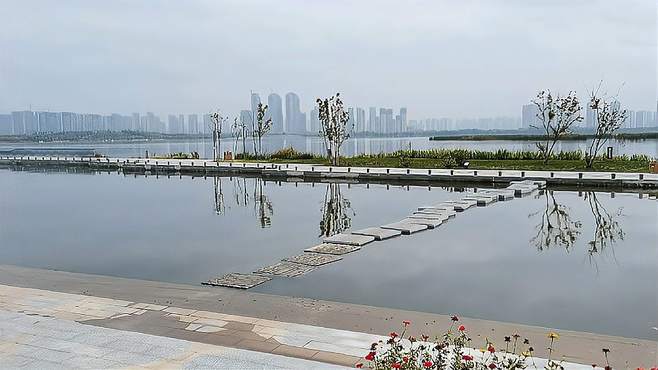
(525,137)
(501,159)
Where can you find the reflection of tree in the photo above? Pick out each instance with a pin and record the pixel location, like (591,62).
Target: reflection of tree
(240,193)
(556,228)
(219,196)
(335,212)
(262,205)
(607,229)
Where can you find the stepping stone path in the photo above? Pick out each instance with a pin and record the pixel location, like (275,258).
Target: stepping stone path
(333,247)
(378,233)
(429,222)
(336,249)
(237,280)
(349,239)
(286,269)
(406,227)
(313,259)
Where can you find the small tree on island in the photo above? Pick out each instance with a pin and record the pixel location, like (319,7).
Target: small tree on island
(260,128)
(217,121)
(333,126)
(609,118)
(557,115)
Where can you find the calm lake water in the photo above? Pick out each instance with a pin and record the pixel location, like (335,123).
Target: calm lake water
(490,262)
(351,147)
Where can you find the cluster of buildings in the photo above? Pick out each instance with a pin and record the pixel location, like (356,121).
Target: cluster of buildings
(32,122)
(287,118)
(294,121)
(634,119)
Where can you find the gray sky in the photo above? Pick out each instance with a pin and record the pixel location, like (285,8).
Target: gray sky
(439,58)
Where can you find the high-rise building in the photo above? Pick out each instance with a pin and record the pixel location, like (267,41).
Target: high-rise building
(360,120)
(193,124)
(246,118)
(314,121)
(207,124)
(255,100)
(275,112)
(293,115)
(6,124)
(590,118)
(529,116)
(402,121)
(351,120)
(373,120)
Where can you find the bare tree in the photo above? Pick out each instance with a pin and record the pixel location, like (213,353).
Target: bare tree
(556,228)
(607,229)
(220,207)
(240,131)
(260,128)
(556,114)
(262,205)
(333,126)
(609,118)
(335,212)
(217,122)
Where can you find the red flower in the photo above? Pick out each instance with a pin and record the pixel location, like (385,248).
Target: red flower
(608,367)
(395,365)
(492,366)
(359,365)
(425,337)
(406,323)
(428,364)
(454,318)
(462,328)
(370,356)
(491,349)
(467,358)
(393,334)
(640,368)
(405,359)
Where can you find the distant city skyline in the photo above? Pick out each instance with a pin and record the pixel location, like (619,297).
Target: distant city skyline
(437,58)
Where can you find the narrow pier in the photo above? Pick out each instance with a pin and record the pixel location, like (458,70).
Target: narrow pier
(309,172)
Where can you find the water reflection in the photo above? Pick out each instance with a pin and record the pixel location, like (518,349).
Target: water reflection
(337,212)
(557,228)
(263,208)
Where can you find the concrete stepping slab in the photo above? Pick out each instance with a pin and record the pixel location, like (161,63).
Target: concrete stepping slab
(406,227)
(237,280)
(459,205)
(349,239)
(430,223)
(335,249)
(438,207)
(482,200)
(285,269)
(443,212)
(521,190)
(501,194)
(434,216)
(313,259)
(378,233)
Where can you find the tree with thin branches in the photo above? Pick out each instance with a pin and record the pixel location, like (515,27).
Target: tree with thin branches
(609,118)
(260,128)
(217,121)
(240,131)
(334,126)
(557,115)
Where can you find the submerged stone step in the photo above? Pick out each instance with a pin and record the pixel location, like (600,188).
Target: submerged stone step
(349,239)
(482,200)
(431,223)
(502,194)
(460,205)
(313,259)
(238,280)
(285,269)
(434,216)
(378,233)
(336,249)
(406,227)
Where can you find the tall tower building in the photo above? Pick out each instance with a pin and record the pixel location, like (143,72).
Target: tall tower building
(360,120)
(314,121)
(529,116)
(402,122)
(275,112)
(255,100)
(293,114)
(373,120)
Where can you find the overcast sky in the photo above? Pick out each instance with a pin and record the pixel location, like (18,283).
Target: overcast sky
(454,58)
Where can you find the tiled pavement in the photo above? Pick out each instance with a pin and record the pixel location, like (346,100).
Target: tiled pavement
(43,329)
(78,331)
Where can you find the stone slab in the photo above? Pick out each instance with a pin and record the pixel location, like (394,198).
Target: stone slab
(237,280)
(430,223)
(378,233)
(313,259)
(406,227)
(285,269)
(436,216)
(349,239)
(482,200)
(335,249)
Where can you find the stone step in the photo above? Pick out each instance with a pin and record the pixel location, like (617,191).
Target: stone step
(378,233)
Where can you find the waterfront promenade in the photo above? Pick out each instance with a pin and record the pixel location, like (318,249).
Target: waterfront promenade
(77,319)
(303,172)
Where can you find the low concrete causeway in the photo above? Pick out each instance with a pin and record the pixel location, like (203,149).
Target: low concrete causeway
(320,172)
